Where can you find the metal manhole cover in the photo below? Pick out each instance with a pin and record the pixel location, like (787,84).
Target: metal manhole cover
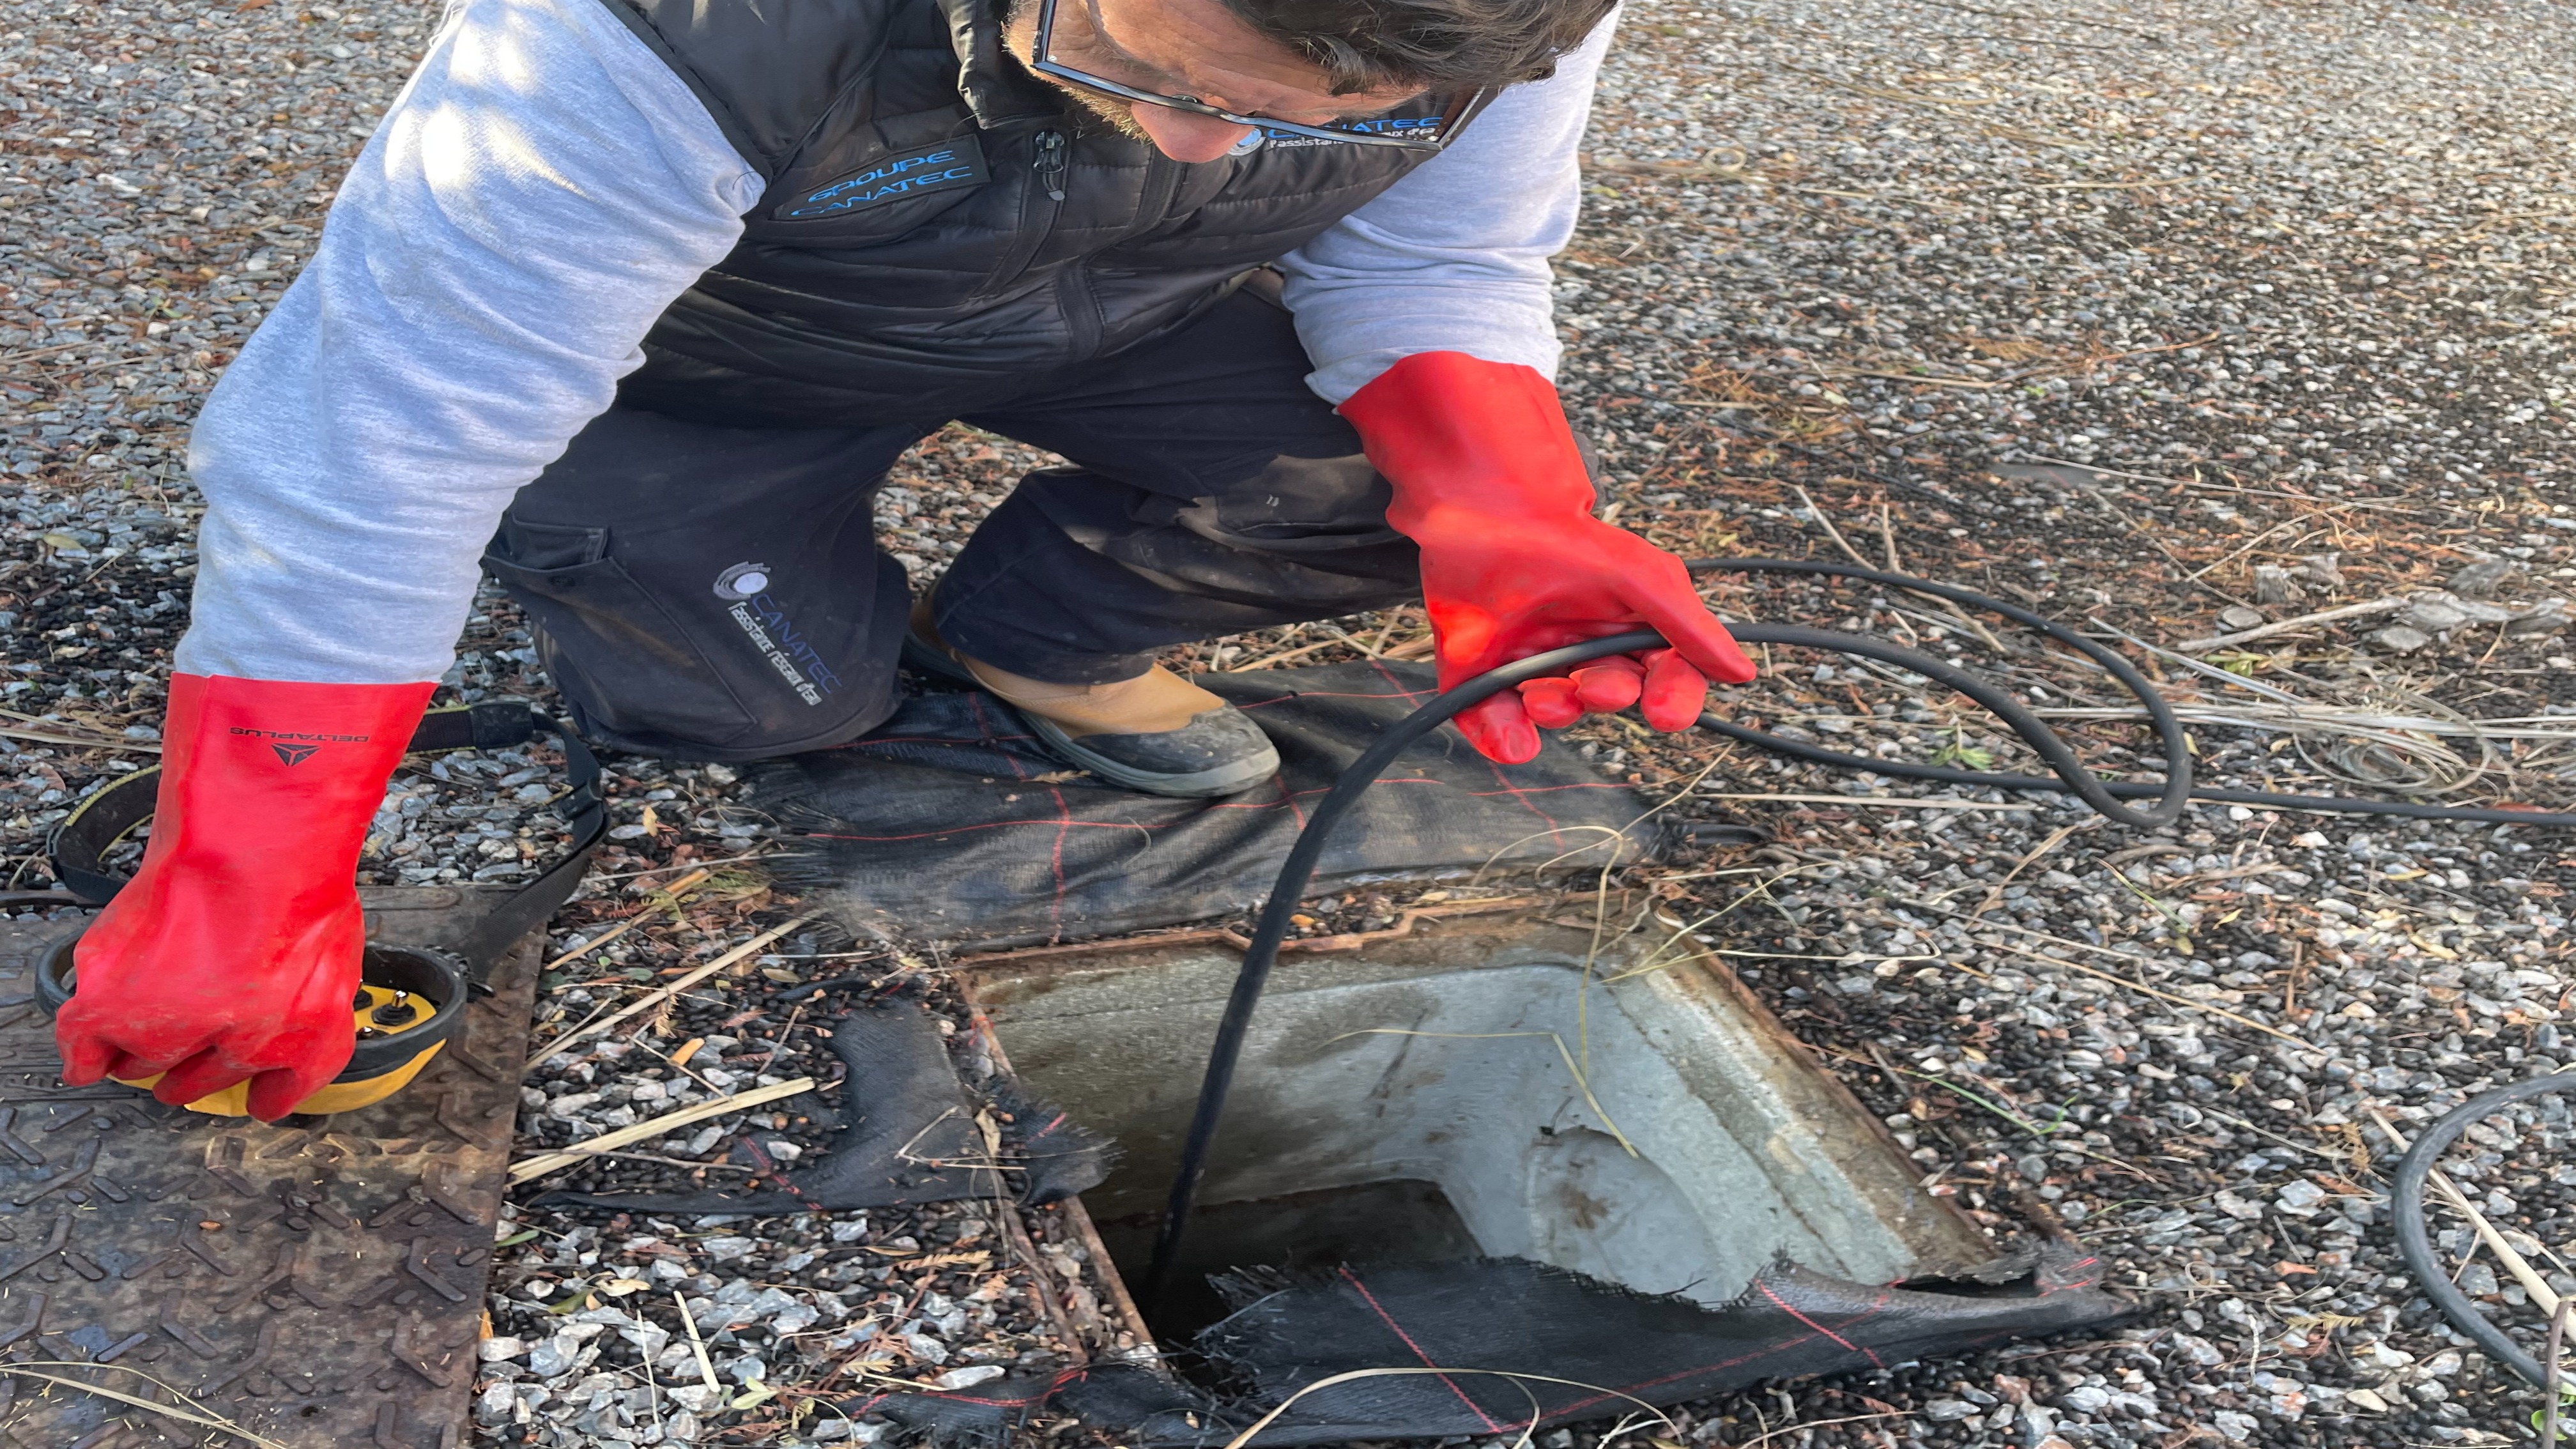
(319,1283)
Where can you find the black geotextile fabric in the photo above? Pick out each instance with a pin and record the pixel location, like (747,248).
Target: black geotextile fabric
(950,822)
(909,1136)
(1553,1347)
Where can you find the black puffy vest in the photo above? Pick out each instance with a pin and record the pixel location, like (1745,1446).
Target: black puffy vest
(940,225)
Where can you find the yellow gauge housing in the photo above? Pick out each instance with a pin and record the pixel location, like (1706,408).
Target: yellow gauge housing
(404,991)
(234,1101)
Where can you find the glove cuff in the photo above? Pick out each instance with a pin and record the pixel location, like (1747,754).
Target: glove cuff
(286,771)
(1455,435)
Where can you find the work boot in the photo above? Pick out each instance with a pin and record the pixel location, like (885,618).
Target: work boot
(1157,733)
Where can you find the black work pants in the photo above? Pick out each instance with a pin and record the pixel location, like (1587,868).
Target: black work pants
(716,592)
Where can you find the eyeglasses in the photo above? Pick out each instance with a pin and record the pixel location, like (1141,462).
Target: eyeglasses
(1422,133)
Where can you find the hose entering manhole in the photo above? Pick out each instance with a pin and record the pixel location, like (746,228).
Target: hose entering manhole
(2172,796)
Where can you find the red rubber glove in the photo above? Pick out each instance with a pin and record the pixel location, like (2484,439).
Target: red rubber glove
(1488,481)
(233,953)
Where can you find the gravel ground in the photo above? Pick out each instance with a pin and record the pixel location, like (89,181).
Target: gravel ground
(1855,280)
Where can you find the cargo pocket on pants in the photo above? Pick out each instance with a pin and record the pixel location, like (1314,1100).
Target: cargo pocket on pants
(637,677)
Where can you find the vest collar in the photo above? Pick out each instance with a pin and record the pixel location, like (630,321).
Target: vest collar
(995,87)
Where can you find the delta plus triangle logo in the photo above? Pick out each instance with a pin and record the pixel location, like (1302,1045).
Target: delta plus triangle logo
(294,747)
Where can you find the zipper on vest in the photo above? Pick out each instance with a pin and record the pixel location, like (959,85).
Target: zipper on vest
(1040,205)
(1050,163)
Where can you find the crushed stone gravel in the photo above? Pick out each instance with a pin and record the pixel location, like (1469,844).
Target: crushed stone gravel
(2186,320)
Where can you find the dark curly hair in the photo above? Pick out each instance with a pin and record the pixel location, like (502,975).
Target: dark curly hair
(1435,44)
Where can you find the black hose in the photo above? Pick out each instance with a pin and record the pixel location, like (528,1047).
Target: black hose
(2415,1244)
(1290,888)
(2160,718)
(2069,776)
(2172,797)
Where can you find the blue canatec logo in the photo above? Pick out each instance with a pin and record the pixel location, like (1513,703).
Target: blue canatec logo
(763,620)
(950,164)
(1422,126)
(792,646)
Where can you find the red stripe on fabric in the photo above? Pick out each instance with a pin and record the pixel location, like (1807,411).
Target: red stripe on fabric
(2074,1283)
(987,825)
(1727,1363)
(978,705)
(1519,793)
(1287,801)
(1288,798)
(1055,860)
(1398,1330)
(1847,1344)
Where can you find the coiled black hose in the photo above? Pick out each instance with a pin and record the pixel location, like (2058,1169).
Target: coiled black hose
(2160,717)
(2070,776)
(2415,1243)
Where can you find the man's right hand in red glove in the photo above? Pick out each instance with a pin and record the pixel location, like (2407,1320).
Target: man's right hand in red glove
(1489,482)
(233,954)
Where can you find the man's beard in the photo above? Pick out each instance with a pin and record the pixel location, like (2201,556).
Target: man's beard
(1107,110)
(1110,111)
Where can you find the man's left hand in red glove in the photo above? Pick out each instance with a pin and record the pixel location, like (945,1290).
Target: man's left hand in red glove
(1489,482)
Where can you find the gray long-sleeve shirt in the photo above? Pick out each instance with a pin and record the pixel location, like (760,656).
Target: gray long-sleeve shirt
(536,197)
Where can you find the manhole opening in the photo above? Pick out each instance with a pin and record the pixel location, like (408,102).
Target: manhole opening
(1367,1224)
(1464,1094)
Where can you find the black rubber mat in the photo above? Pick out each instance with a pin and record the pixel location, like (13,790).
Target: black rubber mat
(950,820)
(318,1283)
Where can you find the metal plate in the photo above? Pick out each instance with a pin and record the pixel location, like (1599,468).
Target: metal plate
(319,1282)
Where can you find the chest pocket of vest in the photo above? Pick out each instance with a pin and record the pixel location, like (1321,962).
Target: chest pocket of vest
(886,192)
